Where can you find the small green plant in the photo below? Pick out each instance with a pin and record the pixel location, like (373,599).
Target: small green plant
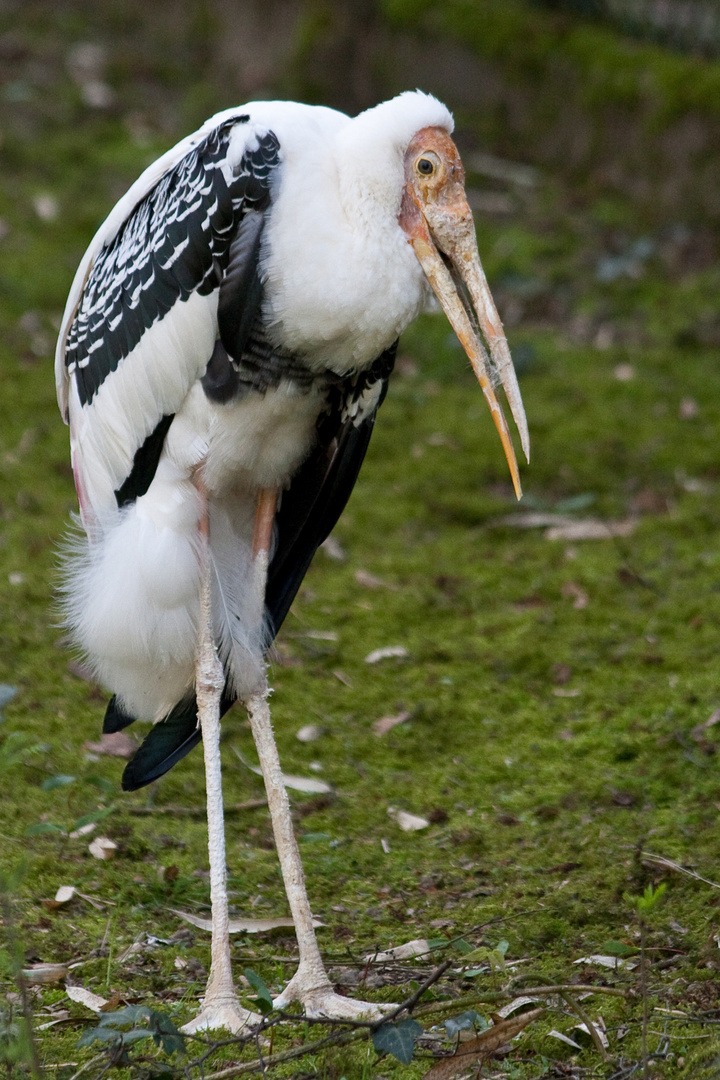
(645,908)
(488,957)
(121,1029)
(263,1000)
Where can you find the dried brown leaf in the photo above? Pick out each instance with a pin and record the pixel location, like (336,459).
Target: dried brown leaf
(63,896)
(237,926)
(41,974)
(388,653)
(483,1046)
(408,822)
(85,997)
(591,529)
(416,947)
(387,723)
(114,744)
(102,847)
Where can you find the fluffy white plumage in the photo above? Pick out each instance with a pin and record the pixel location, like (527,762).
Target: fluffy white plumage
(340,284)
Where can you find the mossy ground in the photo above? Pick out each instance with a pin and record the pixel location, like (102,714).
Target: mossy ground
(555,688)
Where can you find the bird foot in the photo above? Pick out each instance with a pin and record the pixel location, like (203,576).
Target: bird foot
(321,1000)
(221,1012)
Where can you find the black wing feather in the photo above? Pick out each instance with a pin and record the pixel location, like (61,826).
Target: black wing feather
(315,500)
(176,241)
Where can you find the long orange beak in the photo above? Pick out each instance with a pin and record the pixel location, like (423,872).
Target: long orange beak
(435,215)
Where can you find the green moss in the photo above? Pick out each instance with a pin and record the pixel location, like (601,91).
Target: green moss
(540,802)
(607,68)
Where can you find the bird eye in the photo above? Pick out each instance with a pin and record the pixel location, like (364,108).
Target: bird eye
(425,166)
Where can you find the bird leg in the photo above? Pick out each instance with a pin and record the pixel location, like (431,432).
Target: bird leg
(310,985)
(221,1008)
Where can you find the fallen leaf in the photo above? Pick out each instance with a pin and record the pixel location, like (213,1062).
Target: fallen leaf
(408,822)
(41,974)
(333,549)
(386,654)
(308,733)
(372,581)
(514,1005)
(114,744)
(564,1039)
(599,1028)
(63,896)
(298,783)
(533,519)
(238,926)
(387,723)
(84,830)
(46,206)
(102,848)
(483,1046)
(606,961)
(132,950)
(417,947)
(85,997)
(591,529)
(668,864)
(60,1016)
(313,635)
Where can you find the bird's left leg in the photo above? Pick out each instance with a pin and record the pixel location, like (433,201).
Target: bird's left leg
(310,985)
(221,1008)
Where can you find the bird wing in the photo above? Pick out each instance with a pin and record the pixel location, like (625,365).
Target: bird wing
(308,511)
(321,487)
(144,305)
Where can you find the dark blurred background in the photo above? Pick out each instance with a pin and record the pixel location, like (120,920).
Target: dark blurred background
(616,96)
(590,130)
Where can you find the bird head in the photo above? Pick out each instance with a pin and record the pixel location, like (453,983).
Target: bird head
(437,220)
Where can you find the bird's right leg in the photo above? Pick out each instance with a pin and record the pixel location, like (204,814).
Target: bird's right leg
(310,985)
(221,1008)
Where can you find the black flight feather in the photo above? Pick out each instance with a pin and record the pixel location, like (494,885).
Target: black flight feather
(115,717)
(167,743)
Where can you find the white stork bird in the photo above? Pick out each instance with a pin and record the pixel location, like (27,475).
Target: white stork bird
(227,341)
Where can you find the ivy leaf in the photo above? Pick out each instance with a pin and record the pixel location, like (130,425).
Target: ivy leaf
(397,1039)
(166,1034)
(464,1022)
(98,1034)
(264,997)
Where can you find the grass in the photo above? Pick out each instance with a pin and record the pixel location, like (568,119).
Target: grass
(557,690)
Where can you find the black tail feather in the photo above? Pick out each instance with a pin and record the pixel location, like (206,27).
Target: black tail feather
(166,743)
(115,717)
